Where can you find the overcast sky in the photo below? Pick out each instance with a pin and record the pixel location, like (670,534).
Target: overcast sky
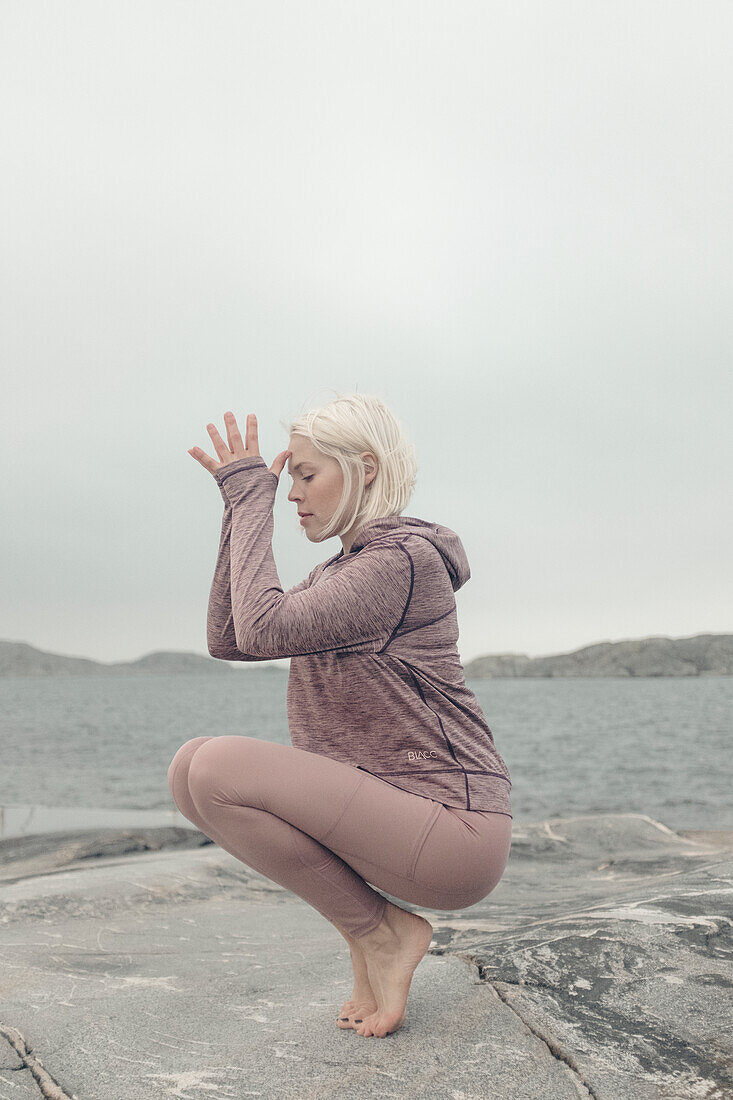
(512,222)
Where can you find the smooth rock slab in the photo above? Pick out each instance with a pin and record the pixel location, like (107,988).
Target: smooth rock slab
(600,966)
(618,946)
(237,997)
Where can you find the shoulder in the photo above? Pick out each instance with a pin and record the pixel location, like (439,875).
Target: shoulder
(426,562)
(386,552)
(392,546)
(414,553)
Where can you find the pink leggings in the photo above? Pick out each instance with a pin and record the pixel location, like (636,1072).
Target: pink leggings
(324,829)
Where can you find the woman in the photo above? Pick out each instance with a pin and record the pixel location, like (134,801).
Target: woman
(392,780)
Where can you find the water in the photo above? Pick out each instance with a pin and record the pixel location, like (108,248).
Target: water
(87,752)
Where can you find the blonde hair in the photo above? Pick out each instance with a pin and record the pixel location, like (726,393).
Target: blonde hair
(343,429)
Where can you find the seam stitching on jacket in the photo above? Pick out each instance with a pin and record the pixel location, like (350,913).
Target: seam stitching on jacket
(454,702)
(440,722)
(431,622)
(446,768)
(409,595)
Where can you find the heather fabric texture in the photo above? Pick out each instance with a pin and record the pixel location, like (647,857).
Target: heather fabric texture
(376,679)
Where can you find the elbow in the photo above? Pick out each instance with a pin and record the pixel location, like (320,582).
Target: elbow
(218,648)
(255,645)
(247,643)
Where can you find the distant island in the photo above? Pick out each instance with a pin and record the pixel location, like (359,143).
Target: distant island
(21,659)
(699,655)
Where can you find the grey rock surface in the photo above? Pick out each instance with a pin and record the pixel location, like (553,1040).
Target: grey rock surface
(614,942)
(600,966)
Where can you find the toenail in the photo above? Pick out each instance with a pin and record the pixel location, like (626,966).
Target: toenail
(343,1017)
(358,1021)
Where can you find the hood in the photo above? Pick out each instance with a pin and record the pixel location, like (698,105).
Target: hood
(443,539)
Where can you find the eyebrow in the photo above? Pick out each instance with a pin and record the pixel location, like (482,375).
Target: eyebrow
(305,462)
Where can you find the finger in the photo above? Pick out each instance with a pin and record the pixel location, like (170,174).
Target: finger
(221,448)
(279,464)
(253,443)
(202,457)
(233,434)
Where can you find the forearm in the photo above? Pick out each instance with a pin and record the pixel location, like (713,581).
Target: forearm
(255,583)
(220,632)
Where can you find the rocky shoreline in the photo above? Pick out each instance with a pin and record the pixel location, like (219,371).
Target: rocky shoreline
(599,966)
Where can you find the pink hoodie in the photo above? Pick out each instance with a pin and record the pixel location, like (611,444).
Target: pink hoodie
(376,679)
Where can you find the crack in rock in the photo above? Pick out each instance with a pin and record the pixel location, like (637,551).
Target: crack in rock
(50,1089)
(501,989)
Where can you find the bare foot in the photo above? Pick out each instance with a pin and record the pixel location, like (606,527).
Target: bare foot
(392,952)
(363,1002)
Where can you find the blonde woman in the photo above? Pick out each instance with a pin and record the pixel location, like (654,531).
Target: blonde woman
(392,781)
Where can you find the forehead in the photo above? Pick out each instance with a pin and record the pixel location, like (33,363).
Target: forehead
(304,454)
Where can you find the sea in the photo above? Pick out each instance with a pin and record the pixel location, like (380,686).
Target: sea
(88,752)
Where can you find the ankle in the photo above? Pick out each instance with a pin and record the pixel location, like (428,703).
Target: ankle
(385,932)
(347,935)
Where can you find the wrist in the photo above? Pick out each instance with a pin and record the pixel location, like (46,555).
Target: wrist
(245,478)
(238,464)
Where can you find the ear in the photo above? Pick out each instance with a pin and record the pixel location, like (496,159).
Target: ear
(371,466)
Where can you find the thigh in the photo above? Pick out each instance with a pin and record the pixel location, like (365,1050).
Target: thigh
(419,850)
(351,812)
(464,856)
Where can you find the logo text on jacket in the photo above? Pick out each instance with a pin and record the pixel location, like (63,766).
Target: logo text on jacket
(419,754)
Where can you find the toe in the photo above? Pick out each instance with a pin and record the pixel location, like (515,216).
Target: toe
(367,1025)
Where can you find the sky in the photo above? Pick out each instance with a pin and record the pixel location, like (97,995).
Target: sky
(511,222)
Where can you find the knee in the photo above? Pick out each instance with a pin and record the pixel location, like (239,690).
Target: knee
(180,762)
(224,771)
(210,769)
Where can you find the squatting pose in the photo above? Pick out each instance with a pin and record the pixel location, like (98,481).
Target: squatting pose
(392,781)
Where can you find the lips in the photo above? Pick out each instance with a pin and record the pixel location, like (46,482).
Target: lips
(304,514)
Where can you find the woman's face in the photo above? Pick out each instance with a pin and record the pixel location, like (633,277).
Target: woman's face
(317,486)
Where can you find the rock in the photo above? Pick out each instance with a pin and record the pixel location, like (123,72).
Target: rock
(610,936)
(599,967)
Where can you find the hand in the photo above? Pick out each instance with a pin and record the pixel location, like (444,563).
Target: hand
(236,448)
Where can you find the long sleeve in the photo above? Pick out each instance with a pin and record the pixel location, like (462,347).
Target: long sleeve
(355,609)
(220,633)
